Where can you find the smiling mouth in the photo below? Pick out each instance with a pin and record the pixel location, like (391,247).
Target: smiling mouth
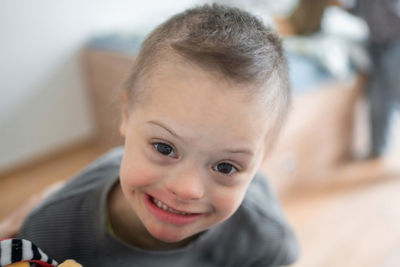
(169,215)
(163,206)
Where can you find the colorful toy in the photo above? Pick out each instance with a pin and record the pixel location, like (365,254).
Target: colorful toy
(23,253)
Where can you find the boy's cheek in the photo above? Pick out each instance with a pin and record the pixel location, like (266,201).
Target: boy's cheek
(137,172)
(138,177)
(228,201)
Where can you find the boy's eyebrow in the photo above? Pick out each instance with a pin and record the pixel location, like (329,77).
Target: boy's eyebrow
(241,151)
(159,124)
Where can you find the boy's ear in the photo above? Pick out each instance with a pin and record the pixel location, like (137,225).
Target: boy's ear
(124,113)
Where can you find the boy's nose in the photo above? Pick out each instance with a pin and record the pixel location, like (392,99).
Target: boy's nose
(186,184)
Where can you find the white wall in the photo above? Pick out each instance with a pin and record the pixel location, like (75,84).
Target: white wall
(43,99)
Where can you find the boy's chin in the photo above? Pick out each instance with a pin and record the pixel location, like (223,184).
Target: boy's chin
(174,238)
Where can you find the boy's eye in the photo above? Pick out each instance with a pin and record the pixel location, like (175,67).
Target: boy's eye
(225,168)
(164,149)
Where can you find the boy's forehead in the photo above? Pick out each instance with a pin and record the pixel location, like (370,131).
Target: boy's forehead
(187,85)
(174,72)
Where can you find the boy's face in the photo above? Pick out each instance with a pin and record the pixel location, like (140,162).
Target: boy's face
(193,144)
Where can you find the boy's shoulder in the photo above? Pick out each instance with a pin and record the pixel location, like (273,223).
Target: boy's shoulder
(269,227)
(90,178)
(76,208)
(258,234)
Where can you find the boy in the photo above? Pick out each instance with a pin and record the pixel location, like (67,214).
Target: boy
(200,111)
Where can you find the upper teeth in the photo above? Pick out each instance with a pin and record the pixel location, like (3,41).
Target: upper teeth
(165,207)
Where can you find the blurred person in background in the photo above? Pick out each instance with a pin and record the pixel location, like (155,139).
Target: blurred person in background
(383,86)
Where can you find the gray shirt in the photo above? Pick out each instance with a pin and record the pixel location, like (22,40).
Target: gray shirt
(71,224)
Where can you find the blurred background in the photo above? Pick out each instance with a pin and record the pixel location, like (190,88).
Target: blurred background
(63,63)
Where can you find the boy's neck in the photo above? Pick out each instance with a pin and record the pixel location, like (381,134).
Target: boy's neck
(128,227)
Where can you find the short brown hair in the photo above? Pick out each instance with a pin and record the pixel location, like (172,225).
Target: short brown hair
(229,40)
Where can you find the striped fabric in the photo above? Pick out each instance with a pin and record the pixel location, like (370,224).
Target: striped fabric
(21,250)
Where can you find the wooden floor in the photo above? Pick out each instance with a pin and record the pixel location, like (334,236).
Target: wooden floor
(352,224)
(355,226)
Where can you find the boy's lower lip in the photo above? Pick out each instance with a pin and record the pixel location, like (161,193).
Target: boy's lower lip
(167,216)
